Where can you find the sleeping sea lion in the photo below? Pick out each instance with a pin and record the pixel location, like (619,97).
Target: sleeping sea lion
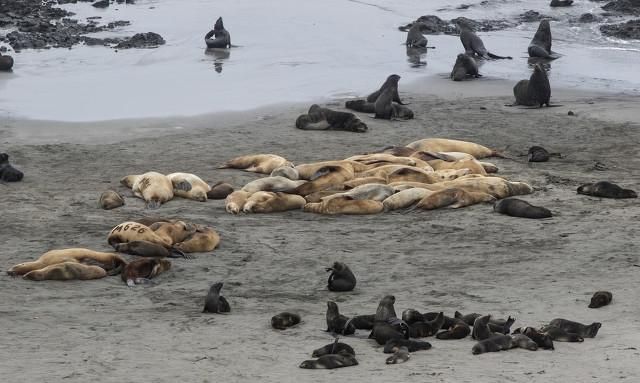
(561,335)
(269,202)
(411,345)
(287,172)
(600,299)
(341,278)
(318,118)
(7,172)
(542,340)
(448,145)
(314,170)
(214,302)
(110,200)
(66,271)
(6,62)
(284,320)
(221,37)
(425,328)
(523,341)
(474,166)
(390,82)
(585,331)
(204,240)
(325,178)
(351,184)
(383,158)
(376,192)
(143,270)
(257,163)
(606,189)
(453,198)
(133,231)
(147,249)
(533,92)
(173,232)
(331,361)
(108,261)
(333,348)
(494,344)
(457,329)
(337,322)
(473,44)
(495,186)
(345,205)
(400,355)
(197,189)
(405,198)
(153,187)
(465,66)
(540,46)
(387,325)
(234,203)
(515,207)
(274,184)
(220,190)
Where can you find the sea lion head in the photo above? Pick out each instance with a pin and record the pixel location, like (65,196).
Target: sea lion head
(308,364)
(357,125)
(219,25)
(199,195)
(337,266)
(332,308)
(216,287)
(393,79)
(412,316)
(128,181)
(593,328)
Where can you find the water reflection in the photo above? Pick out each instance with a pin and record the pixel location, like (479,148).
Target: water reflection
(546,63)
(415,57)
(219,55)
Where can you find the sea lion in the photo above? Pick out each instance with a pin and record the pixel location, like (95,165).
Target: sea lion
(257,163)
(173,232)
(66,271)
(536,91)
(384,107)
(147,249)
(415,38)
(153,187)
(376,192)
(453,198)
(383,158)
(203,240)
(447,145)
(363,322)
(502,326)
(221,37)
(341,278)
(481,329)
(412,174)
(6,62)
(284,320)
(473,44)
(345,205)
(600,299)
(133,231)
(287,172)
(400,355)
(387,325)
(269,202)
(494,344)
(515,207)
(495,186)
(198,189)
(274,184)
(385,170)
(540,46)
(325,178)
(585,331)
(318,118)
(468,319)
(363,106)
(143,270)
(333,348)
(474,166)
(422,329)
(331,361)
(319,196)
(7,172)
(561,3)
(214,302)
(465,66)
(108,261)
(234,203)
(314,170)
(405,198)
(457,329)
(337,322)
(542,340)
(561,335)
(538,154)
(390,82)
(220,190)
(411,345)
(110,200)
(523,341)
(363,181)
(606,189)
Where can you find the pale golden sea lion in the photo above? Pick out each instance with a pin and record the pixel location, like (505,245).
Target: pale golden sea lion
(235,201)
(175,231)
(66,271)
(108,261)
(345,205)
(270,202)
(447,145)
(257,163)
(319,195)
(496,186)
(153,187)
(325,178)
(385,170)
(376,192)
(274,184)
(198,190)
(287,172)
(363,181)
(405,198)
(205,239)
(143,269)
(474,166)
(453,198)
(414,175)
(374,158)
(307,171)
(133,231)
(110,200)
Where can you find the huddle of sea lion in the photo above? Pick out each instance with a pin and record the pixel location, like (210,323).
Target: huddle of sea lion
(7,172)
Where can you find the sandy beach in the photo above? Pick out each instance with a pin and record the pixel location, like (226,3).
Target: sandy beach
(471,259)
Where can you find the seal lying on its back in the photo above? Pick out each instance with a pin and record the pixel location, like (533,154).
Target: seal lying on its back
(222,38)
(600,299)
(341,278)
(214,302)
(465,66)
(318,118)
(515,207)
(540,46)
(606,189)
(474,45)
(7,172)
(536,91)
(6,62)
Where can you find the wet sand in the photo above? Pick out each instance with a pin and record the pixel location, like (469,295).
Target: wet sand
(472,259)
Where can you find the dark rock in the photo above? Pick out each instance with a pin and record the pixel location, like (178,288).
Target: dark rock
(587,18)
(628,31)
(629,7)
(435,25)
(142,40)
(533,16)
(561,3)
(101,4)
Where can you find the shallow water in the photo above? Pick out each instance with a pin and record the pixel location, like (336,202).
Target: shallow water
(288,51)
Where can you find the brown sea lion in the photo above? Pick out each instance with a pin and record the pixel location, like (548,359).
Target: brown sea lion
(560,335)
(235,201)
(269,202)
(272,184)
(337,322)
(515,207)
(465,66)
(606,189)
(533,92)
(324,178)
(453,198)
(341,278)
(345,205)
(542,340)
(493,344)
(457,329)
(447,145)
(585,331)
(600,299)
(110,200)
(333,348)
(214,302)
(390,82)
(284,320)
(153,187)
(197,190)
(66,271)
(318,118)
(133,231)
(331,361)
(257,163)
(204,240)
(143,270)
(173,232)
(540,46)
(108,261)
(221,37)
(220,190)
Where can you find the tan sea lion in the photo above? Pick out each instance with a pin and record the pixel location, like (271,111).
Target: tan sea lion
(308,171)
(345,205)
(376,192)
(173,232)
(373,158)
(257,163)
(153,187)
(447,145)
(204,240)
(274,184)
(133,231)
(143,269)
(318,196)
(235,201)
(363,181)
(110,200)
(405,198)
(453,198)
(66,271)
(474,166)
(325,178)
(198,189)
(496,186)
(413,175)
(287,172)
(108,261)
(269,202)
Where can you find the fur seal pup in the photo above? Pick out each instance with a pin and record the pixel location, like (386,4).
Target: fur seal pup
(7,172)
(324,178)
(269,202)
(515,207)
(494,344)
(337,322)
(600,299)
(333,348)
(220,190)
(153,187)
(221,37)
(447,145)
(345,205)
(318,118)
(274,184)
(257,163)
(397,111)
(108,261)
(536,91)
(606,189)
(6,62)
(234,203)
(66,271)
(473,44)
(465,66)
(390,82)
(468,319)
(341,278)
(284,320)
(585,331)
(523,341)
(405,198)
(204,240)
(415,38)
(422,329)
(542,340)
(561,3)
(110,200)
(400,355)
(387,325)
(411,345)
(198,190)
(331,361)
(147,249)
(457,329)
(540,46)
(143,270)
(453,198)
(214,302)
(287,172)
(481,330)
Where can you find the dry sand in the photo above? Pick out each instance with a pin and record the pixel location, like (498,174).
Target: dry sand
(472,259)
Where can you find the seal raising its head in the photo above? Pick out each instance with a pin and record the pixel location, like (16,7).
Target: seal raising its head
(216,303)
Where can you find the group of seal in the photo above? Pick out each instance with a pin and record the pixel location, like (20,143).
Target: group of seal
(7,172)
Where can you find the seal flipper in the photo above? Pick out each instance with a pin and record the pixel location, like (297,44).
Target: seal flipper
(223,305)
(176,253)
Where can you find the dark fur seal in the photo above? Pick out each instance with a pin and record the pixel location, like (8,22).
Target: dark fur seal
(540,46)
(538,154)
(501,326)
(515,207)
(606,189)
(284,320)
(390,82)
(468,319)
(481,329)
(341,278)
(221,37)
(457,329)
(474,45)
(536,91)
(400,355)
(363,322)
(6,62)
(422,329)
(561,335)
(7,172)
(143,269)
(523,341)
(585,331)
(600,299)
(493,344)
(333,348)
(337,322)
(331,361)
(415,38)
(383,106)
(219,190)
(318,118)
(411,345)
(542,340)
(561,3)
(147,249)
(214,302)
(464,67)
(387,325)
(398,111)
